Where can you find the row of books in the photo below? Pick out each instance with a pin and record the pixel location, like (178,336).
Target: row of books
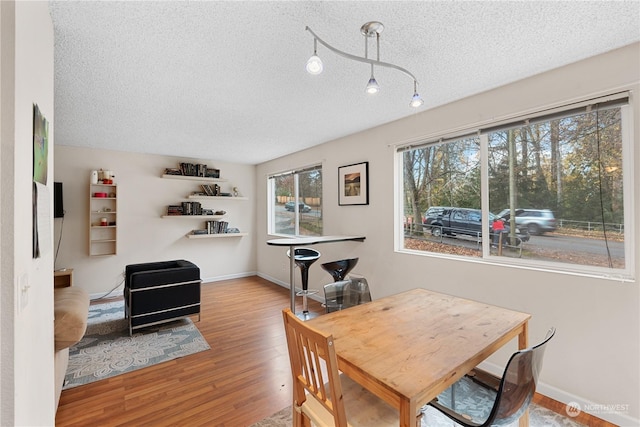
(211,190)
(193,169)
(185,208)
(217,227)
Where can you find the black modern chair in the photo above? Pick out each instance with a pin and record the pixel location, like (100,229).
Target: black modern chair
(339,269)
(303,258)
(472,402)
(346,293)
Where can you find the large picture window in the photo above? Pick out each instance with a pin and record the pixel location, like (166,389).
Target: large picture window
(548,191)
(296,202)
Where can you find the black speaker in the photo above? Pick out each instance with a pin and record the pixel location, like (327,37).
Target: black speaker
(58,207)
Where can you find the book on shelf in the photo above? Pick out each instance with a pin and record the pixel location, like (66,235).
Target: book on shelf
(207,189)
(217,227)
(188,208)
(173,171)
(193,169)
(174,210)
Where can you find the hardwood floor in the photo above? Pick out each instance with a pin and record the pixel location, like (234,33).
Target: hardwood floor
(243,378)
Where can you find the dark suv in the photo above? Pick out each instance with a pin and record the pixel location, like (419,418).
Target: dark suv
(537,221)
(452,221)
(433,214)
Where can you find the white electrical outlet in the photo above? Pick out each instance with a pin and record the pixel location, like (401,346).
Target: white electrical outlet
(23,291)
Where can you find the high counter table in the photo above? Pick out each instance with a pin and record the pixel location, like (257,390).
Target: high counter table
(292,242)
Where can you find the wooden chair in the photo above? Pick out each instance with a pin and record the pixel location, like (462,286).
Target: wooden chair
(474,402)
(320,393)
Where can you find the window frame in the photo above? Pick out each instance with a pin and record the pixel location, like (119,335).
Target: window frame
(271,199)
(482,130)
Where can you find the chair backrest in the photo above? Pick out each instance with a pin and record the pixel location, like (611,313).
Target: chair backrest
(346,293)
(360,290)
(314,367)
(518,383)
(334,296)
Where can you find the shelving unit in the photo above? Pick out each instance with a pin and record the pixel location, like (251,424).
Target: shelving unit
(209,217)
(194,178)
(103,239)
(203,198)
(215,236)
(194,197)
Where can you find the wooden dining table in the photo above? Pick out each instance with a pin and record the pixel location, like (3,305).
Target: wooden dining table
(409,347)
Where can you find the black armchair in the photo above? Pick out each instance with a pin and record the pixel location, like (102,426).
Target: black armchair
(159,292)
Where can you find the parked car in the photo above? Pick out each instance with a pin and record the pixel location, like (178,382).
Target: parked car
(537,221)
(453,221)
(433,214)
(301,207)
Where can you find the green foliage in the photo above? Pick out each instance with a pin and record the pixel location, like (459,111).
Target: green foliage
(571,165)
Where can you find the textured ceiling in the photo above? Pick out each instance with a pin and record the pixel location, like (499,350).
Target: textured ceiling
(226,80)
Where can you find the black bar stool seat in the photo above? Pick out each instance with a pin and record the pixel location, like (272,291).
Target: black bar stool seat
(339,269)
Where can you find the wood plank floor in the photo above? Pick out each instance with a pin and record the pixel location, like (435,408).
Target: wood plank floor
(244,378)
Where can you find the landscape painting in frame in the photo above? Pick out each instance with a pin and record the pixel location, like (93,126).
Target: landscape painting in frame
(40,146)
(353,184)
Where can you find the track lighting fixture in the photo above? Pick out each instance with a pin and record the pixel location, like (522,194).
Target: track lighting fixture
(368,30)
(314,64)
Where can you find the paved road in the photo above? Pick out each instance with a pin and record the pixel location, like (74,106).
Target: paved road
(568,244)
(581,244)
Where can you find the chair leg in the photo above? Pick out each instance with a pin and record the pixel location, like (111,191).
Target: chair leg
(299,419)
(297,416)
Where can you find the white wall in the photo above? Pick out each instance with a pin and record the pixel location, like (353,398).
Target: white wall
(143,236)
(27,349)
(595,355)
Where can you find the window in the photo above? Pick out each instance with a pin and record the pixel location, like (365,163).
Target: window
(556,182)
(296,202)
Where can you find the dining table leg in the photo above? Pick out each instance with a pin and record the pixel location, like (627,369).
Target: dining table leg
(409,414)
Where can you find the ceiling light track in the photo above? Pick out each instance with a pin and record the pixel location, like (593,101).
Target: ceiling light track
(369,29)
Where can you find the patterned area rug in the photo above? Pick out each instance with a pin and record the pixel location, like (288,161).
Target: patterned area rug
(538,417)
(107,350)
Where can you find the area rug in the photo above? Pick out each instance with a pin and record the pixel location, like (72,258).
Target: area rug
(538,417)
(107,350)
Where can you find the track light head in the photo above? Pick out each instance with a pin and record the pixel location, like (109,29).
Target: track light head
(372,87)
(416,101)
(314,65)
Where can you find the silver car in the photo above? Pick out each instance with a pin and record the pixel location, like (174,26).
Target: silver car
(537,221)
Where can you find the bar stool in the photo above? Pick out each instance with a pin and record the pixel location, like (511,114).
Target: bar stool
(339,269)
(303,258)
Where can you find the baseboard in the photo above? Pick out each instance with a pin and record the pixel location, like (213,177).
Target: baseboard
(117,292)
(591,413)
(206,280)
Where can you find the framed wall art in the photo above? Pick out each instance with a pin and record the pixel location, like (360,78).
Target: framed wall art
(353,184)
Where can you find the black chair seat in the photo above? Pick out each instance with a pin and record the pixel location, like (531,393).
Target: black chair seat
(339,269)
